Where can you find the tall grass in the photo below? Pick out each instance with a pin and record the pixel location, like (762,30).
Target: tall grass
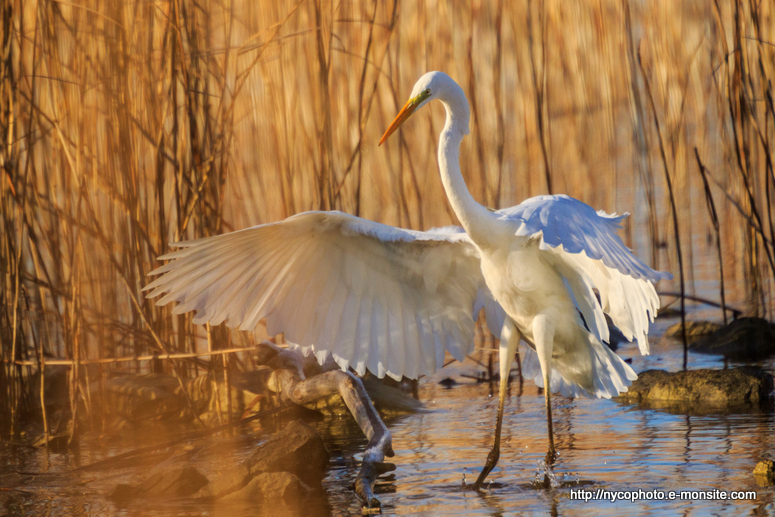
(126,126)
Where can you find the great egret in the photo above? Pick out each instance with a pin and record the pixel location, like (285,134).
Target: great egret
(392,300)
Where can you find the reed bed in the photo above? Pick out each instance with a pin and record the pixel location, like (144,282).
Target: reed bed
(130,125)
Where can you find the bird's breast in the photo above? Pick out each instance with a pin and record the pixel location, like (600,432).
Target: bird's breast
(523,284)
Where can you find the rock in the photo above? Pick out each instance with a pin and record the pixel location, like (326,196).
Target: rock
(765,473)
(297,449)
(709,387)
(179,482)
(290,463)
(448,382)
(668,312)
(743,340)
(227,482)
(694,330)
(272,485)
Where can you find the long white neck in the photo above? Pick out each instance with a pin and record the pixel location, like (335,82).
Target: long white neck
(479,223)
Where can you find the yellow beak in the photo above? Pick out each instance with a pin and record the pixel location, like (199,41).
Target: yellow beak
(407,110)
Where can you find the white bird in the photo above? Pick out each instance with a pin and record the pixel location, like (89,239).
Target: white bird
(393,301)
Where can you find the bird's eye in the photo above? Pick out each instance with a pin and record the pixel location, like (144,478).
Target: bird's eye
(427,92)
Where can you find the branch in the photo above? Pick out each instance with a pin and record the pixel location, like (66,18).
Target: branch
(290,381)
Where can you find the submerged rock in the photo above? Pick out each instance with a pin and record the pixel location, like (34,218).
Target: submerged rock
(179,482)
(272,485)
(297,449)
(694,330)
(743,340)
(290,464)
(765,473)
(703,387)
(448,382)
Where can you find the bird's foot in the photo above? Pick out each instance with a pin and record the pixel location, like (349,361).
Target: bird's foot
(545,477)
(549,479)
(492,460)
(551,457)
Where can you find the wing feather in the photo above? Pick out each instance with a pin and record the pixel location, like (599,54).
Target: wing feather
(562,220)
(585,249)
(396,337)
(376,297)
(347,330)
(362,350)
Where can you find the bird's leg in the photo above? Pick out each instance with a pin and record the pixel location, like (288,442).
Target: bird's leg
(551,454)
(510,337)
(543,333)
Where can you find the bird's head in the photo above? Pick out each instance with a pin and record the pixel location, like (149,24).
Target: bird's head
(433,85)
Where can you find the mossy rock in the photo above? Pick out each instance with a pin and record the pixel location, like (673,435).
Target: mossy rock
(694,330)
(718,388)
(764,473)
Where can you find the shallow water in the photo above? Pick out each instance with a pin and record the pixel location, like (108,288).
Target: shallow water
(603,444)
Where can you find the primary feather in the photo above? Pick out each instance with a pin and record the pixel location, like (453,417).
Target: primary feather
(376,297)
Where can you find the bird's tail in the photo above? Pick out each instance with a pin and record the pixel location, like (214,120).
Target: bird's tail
(606,374)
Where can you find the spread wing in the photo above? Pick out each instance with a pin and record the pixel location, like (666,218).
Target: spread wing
(583,246)
(374,296)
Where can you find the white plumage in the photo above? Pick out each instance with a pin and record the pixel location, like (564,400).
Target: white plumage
(392,300)
(374,296)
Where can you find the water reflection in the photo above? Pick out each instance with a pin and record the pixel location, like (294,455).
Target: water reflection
(602,444)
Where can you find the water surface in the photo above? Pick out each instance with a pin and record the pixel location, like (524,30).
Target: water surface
(603,444)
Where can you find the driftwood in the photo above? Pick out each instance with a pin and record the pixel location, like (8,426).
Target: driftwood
(302,381)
